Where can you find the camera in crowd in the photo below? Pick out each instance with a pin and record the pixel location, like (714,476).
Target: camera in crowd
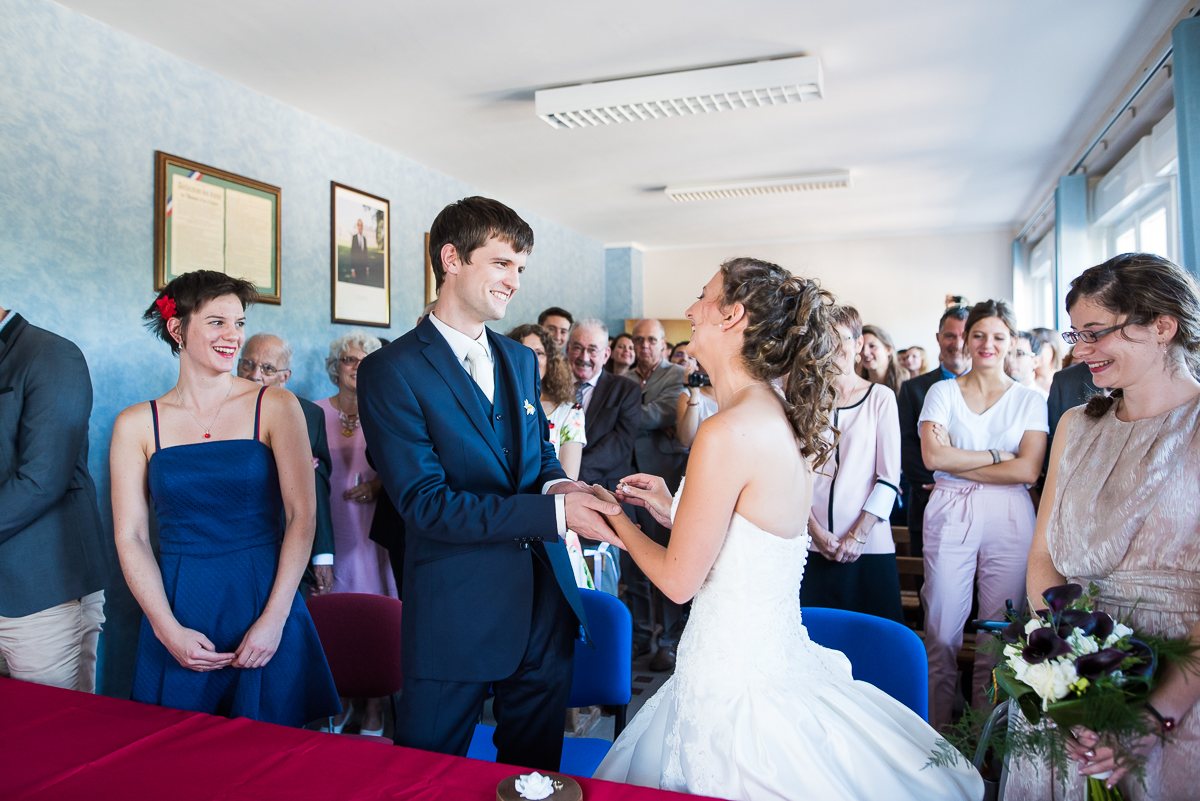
(698,379)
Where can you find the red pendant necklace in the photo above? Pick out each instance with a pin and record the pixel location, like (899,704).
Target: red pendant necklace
(207,428)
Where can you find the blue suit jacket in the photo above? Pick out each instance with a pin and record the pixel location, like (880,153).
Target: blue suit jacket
(469,509)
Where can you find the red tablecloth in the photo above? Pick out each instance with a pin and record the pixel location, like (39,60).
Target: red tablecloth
(59,744)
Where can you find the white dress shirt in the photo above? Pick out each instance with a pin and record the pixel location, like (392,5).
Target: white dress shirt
(8,318)
(461,344)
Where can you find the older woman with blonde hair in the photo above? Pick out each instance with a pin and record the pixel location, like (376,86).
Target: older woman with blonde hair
(360,564)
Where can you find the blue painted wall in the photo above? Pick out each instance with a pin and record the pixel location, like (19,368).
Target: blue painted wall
(623,275)
(83,107)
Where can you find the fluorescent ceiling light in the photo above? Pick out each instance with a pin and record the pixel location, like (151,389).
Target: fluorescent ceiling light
(676,94)
(769,186)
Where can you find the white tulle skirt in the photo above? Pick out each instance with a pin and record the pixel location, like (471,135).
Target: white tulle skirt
(827,741)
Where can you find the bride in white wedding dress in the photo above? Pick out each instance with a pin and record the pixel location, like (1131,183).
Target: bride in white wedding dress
(755,709)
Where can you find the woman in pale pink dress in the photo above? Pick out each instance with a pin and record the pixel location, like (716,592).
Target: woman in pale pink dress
(1123,478)
(359,565)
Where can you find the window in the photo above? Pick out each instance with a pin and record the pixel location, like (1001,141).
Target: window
(1148,228)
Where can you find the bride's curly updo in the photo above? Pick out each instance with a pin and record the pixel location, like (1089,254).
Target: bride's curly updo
(789,331)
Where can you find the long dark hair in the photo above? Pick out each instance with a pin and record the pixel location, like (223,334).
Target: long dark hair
(789,331)
(1142,287)
(557,386)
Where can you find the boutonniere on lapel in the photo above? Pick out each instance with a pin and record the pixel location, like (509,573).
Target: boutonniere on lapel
(529,410)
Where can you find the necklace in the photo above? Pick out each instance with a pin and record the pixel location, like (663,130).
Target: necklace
(349,421)
(207,428)
(739,389)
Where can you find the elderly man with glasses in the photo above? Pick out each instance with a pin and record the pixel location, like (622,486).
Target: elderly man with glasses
(612,409)
(267,360)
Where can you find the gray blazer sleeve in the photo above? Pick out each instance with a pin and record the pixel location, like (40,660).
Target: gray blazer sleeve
(658,409)
(51,430)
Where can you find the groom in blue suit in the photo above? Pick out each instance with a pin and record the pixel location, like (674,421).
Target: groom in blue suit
(453,419)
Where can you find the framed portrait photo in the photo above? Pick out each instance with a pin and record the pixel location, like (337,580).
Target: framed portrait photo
(360,257)
(209,219)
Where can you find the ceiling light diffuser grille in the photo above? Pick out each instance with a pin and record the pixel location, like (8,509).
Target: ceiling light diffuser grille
(678,94)
(771,186)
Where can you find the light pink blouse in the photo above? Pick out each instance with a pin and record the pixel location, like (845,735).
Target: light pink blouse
(864,472)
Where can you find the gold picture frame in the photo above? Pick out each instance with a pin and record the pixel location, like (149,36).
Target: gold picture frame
(209,219)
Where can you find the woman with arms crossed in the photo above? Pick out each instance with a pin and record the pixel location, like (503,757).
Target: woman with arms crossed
(984,436)
(225,463)
(754,705)
(1124,475)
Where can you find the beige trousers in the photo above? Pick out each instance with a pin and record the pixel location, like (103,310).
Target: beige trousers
(56,646)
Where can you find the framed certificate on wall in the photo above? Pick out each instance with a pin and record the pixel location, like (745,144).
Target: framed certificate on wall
(360,257)
(209,219)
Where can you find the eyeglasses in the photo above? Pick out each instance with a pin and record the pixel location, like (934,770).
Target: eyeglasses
(1091,337)
(248,367)
(575,349)
(350,361)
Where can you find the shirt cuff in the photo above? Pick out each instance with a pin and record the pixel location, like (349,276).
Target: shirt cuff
(560,506)
(881,500)
(560,514)
(322,559)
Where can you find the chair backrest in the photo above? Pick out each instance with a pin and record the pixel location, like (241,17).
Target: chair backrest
(882,652)
(360,634)
(604,674)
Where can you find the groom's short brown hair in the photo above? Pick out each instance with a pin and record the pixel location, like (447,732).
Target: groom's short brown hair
(468,224)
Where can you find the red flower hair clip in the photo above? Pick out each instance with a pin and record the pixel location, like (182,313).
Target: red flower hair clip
(166,307)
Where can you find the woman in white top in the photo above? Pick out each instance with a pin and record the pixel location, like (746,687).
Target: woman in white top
(565,417)
(853,493)
(984,436)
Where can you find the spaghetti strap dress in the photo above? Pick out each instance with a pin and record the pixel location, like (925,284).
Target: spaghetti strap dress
(220,526)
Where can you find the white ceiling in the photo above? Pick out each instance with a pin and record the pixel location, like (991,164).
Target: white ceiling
(951,114)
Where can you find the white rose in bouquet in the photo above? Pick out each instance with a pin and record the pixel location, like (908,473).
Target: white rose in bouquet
(1051,680)
(1082,643)
(1118,632)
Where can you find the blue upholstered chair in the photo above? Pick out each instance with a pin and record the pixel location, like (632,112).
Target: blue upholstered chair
(603,675)
(881,652)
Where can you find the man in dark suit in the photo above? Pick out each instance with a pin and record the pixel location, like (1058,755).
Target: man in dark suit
(53,560)
(359,266)
(267,360)
(612,409)
(451,416)
(659,452)
(1071,387)
(955,361)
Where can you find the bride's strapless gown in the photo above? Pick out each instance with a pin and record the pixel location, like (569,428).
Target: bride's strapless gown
(757,710)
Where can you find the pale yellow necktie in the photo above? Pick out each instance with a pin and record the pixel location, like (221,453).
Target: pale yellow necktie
(480,369)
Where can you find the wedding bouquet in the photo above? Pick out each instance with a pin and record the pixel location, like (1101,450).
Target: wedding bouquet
(1079,667)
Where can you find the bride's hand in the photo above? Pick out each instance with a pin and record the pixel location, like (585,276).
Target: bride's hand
(649,492)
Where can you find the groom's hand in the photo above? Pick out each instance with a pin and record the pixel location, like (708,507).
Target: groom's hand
(563,487)
(584,510)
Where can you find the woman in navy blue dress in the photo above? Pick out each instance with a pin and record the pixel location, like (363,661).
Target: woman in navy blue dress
(227,465)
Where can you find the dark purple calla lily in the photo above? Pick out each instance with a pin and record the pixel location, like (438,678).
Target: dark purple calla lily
(1101,663)
(1012,633)
(1104,626)
(1141,651)
(1072,619)
(1060,597)
(1044,644)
